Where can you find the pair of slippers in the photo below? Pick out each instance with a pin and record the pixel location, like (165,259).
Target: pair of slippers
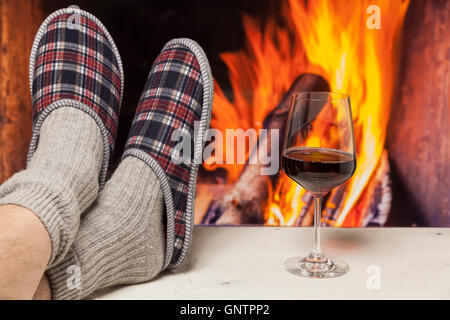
(78,65)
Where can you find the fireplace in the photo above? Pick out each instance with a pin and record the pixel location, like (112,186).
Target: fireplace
(396,73)
(334,41)
(326,39)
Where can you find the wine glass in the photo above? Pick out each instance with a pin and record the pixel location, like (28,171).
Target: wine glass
(319,154)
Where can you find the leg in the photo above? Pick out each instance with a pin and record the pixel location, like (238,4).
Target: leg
(41,205)
(177,97)
(43,292)
(24,252)
(76,88)
(121,238)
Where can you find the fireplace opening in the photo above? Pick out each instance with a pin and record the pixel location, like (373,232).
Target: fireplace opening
(332,42)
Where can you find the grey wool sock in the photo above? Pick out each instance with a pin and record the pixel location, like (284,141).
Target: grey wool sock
(121,238)
(62,178)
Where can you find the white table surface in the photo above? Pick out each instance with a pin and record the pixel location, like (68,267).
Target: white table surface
(247,263)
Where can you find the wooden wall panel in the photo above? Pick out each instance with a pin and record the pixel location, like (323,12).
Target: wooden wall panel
(19,21)
(418,136)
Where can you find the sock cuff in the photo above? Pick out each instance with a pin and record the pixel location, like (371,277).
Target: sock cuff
(70,104)
(48,204)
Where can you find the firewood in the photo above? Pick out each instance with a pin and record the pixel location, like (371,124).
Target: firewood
(372,208)
(247,200)
(334,204)
(375,202)
(308,199)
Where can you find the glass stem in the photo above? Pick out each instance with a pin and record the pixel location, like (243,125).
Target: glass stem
(317,221)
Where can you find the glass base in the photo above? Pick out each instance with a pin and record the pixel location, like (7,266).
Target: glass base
(316,265)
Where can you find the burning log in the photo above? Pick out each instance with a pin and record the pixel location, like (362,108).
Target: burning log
(246,201)
(373,206)
(307,211)
(374,203)
(334,204)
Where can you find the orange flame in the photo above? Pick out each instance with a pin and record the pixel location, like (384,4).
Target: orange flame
(329,38)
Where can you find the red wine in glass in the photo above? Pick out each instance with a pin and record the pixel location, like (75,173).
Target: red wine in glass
(318,170)
(318,154)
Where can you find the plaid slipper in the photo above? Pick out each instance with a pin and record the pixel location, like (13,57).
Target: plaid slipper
(178,93)
(75,63)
